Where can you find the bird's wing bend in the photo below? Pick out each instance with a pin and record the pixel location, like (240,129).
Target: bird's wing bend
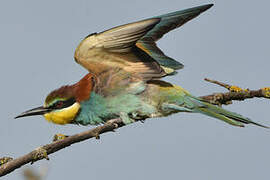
(115,49)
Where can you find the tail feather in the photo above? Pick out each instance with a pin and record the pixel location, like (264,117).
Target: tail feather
(226,116)
(178,99)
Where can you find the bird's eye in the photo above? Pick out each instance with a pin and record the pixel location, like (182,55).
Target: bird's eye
(63,103)
(59,104)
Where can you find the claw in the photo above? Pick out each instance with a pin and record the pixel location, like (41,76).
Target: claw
(40,153)
(4,160)
(114,122)
(115,125)
(58,137)
(97,136)
(142,120)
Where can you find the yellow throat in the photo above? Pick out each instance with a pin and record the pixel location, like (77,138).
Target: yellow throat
(63,116)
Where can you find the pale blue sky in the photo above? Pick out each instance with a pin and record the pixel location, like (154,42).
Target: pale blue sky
(229,42)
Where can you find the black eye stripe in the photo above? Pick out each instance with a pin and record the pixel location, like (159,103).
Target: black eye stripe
(63,104)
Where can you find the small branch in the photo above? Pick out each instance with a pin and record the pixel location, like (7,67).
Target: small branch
(235,93)
(58,145)
(8,165)
(227,86)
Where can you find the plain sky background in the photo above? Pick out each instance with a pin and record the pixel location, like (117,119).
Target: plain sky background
(229,42)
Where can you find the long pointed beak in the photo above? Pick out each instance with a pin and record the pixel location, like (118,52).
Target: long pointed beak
(32,112)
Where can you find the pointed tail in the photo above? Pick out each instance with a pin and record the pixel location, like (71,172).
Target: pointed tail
(226,116)
(177,99)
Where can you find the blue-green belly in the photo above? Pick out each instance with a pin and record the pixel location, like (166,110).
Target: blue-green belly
(99,109)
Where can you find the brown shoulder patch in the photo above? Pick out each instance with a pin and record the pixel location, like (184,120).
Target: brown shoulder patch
(84,87)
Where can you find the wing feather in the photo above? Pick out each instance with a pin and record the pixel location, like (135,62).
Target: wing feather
(167,23)
(129,53)
(115,48)
(122,38)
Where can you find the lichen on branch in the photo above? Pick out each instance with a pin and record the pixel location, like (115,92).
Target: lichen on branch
(235,93)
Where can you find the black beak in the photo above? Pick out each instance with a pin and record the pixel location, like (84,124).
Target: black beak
(32,112)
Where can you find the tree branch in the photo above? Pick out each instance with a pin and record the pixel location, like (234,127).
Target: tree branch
(7,164)
(235,93)
(34,155)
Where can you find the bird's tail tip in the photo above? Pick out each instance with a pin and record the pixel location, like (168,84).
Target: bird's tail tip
(232,118)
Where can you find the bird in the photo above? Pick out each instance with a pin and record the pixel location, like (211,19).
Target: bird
(125,70)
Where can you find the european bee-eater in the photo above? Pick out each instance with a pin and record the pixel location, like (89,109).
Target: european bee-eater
(125,66)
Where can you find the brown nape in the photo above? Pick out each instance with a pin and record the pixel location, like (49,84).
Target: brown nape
(80,90)
(83,88)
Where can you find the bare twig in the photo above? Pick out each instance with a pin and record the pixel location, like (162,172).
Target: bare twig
(235,93)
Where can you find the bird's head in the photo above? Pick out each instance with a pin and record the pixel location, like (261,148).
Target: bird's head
(63,104)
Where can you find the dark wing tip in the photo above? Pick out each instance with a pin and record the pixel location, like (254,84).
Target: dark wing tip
(207,6)
(203,8)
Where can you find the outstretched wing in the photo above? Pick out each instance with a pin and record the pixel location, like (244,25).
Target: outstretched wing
(129,52)
(115,49)
(132,47)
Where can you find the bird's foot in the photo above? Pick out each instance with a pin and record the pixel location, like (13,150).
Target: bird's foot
(126,119)
(59,136)
(115,122)
(96,134)
(4,160)
(40,153)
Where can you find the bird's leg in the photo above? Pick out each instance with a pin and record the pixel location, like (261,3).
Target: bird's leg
(39,153)
(59,136)
(142,120)
(126,119)
(114,122)
(4,160)
(96,134)
(136,117)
